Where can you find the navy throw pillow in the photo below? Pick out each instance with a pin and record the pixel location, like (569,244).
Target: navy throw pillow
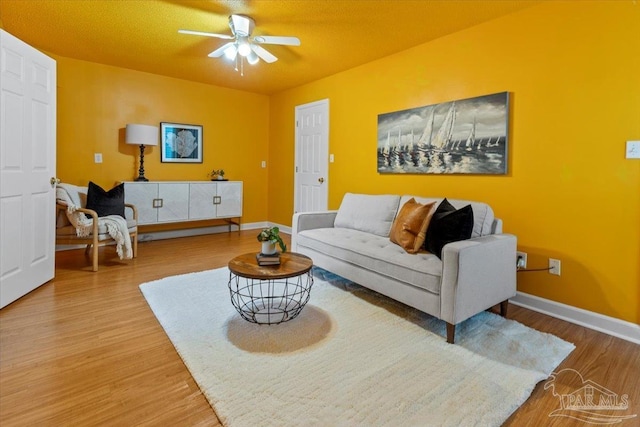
(448,225)
(106,202)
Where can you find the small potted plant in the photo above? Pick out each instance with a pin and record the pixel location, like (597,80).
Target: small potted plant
(269,237)
(216,174)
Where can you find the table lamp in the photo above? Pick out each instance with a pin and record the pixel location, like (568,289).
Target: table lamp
(142,135)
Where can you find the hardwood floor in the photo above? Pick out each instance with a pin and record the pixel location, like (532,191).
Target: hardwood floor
(85,349)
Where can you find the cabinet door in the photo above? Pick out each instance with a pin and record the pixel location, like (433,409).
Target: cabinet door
(230,194)
(201,200)
(175,202)
(142,195)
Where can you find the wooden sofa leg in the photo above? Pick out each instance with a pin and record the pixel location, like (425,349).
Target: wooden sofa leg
(451,332)
(504,305)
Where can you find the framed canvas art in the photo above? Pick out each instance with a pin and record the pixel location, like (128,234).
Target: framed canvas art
(467,136)
(180,143)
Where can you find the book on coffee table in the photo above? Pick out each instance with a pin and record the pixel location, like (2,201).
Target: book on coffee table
(271,259)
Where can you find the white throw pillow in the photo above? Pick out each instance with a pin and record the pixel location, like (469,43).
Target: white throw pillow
(369,213)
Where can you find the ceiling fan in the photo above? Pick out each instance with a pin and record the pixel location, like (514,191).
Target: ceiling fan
(243,46)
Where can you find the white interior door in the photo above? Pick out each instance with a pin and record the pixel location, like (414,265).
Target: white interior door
(312,157)
(27,168)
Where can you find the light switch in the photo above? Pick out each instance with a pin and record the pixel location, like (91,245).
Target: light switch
(633,149)
(264,164)
(97,157)
(330,158)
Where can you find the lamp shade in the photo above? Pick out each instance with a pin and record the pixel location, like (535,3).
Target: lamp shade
(142,135)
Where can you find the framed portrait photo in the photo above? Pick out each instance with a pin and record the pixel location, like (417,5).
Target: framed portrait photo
(180,143)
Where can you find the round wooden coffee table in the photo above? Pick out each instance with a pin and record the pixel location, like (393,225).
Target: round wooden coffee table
(270,294)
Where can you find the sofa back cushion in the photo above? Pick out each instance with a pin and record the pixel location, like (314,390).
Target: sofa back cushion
(483,216)
(369,213)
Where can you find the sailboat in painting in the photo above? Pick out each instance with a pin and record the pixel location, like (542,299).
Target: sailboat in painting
(444,136)
(425,138)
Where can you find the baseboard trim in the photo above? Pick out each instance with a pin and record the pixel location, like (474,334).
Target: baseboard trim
(283,228)
(173,234)
(189,232)
(609,325)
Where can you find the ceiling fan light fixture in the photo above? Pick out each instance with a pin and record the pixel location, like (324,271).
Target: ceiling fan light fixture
(242,45)
(244,48)
(230,52)
(252,58)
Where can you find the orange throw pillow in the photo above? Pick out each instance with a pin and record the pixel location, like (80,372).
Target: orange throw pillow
(410,226)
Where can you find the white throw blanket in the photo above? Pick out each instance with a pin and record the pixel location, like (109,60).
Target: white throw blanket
(115,224)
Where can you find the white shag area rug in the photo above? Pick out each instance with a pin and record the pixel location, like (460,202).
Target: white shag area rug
(351,358)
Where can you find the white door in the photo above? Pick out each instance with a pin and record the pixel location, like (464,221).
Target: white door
(312,157)
(27,168)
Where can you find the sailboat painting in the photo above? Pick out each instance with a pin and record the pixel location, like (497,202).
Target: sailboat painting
(467,136)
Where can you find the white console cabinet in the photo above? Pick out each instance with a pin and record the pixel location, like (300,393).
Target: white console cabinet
(160,202)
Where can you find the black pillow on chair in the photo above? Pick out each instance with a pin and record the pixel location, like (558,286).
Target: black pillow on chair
(106,202)
(448,225)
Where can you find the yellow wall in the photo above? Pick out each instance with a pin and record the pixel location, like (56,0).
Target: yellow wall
(571,68)
(573,71)
(95,103)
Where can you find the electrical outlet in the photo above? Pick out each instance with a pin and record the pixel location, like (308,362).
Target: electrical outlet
(521,259)
(554,266)
(263,164)
(97,157)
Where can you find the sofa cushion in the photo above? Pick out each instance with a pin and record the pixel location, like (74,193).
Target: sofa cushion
(106,202)
(377,254)
(483,217)
(368,213)
(448,225)
(409,229)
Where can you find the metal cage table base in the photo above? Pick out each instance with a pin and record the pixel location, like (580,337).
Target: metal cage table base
(270,301)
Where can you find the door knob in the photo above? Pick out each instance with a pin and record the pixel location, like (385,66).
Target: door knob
(53,181)
(320,180)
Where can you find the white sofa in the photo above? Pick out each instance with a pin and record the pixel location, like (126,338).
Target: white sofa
(353,242)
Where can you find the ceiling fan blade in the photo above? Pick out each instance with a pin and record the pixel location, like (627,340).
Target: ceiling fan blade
(220,51)
(201,33)
(285,40)
(264,54)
